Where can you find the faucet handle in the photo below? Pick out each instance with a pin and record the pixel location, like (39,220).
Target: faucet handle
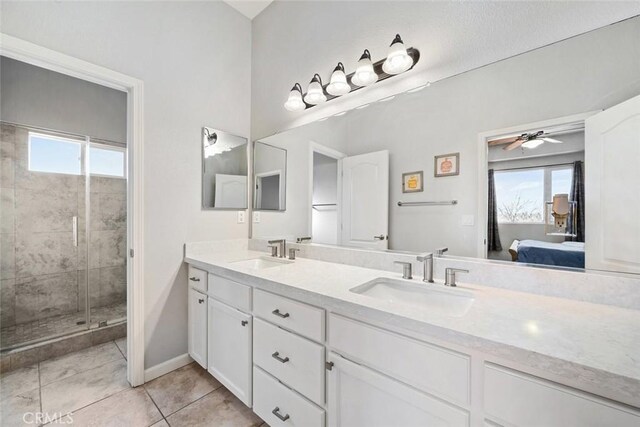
(406,269)
(441,251)
(450,275)
(292,253)
(274,250)
(424,256)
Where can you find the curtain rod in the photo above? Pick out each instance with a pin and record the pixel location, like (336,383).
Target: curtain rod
(535,167)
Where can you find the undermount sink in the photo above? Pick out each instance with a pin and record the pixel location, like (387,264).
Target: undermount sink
(450,302)
(261,263)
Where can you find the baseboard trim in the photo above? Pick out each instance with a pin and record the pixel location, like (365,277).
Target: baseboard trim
(166,367)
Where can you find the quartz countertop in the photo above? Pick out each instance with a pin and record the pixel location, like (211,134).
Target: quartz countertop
(589,346)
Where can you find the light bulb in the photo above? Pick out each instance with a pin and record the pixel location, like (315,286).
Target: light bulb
(364,75)
(315,94)
(398,60)
(294,102)
(338,85)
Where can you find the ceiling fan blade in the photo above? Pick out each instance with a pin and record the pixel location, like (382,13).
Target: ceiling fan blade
(514,145)
(552,140)
(500,141)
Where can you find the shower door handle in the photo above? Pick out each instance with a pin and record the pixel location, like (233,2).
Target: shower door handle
(75,231)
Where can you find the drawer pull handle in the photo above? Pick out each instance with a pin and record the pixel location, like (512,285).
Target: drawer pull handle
(194,279)
(244,322)
(277,313)
(276,412)
(276,356)
(200,300)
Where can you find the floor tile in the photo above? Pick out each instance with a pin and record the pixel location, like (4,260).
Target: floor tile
(132,408)
(219,408)
(181,387)
(122,345)
(161,423)
(19,408)
(74,363)
(19,381)
(82,389)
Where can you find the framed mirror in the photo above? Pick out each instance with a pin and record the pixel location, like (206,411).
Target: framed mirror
(224,170)
(270,177)
(531,160)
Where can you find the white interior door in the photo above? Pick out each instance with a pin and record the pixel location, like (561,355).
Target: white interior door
(231,191)
(365,200)
(612,198)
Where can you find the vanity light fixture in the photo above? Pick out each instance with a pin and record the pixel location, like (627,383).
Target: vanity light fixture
(338,85)
(295,102)
(315,93)
(398,60)
(364,75)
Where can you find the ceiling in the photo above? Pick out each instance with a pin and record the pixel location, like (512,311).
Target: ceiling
(249,8)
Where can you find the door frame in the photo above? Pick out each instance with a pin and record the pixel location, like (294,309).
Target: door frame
(483,165)
(281,187)
(314,147)
(31,53)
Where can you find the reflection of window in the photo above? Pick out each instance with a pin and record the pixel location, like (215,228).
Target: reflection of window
(521,193)
(107,161)
(54,154)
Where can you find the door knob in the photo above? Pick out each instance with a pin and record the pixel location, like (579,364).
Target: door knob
(380,237)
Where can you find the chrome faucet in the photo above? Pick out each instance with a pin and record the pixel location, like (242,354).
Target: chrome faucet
(283,246)
(303,239)
(406,269)
(440,251)
(427,266)
(450,276)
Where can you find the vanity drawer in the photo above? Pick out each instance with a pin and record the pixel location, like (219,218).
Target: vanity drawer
(425,366)
(197,279)
(294,360)
(230,292)
(269,394)
(293,315)
(520,399)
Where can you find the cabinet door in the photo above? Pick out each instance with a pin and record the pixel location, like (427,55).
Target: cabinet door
(359,396)
(230,351)
(198,327)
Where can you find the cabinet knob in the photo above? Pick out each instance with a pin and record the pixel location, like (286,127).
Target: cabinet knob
(276,356)
(194,279)
(276,412)
(200,300)
(277,313)
(244,323)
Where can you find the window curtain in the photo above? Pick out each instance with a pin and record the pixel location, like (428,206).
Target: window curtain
(493,235)
(576,224)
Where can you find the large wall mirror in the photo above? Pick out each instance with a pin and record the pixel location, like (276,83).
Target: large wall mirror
(530,160)
(224,170)
(270,177)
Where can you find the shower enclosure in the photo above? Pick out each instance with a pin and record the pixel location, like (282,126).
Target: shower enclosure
(63,218)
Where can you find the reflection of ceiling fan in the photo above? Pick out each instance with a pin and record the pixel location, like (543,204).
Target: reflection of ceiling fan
(526,140)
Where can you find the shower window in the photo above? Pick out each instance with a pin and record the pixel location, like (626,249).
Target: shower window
(107,161)
(53,154)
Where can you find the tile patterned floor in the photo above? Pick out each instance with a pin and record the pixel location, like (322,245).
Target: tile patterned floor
(56,325)
(90,385)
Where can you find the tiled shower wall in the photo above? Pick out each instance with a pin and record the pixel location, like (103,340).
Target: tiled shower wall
(42,273)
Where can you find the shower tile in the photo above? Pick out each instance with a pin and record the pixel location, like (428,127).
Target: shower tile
(45,211)
(53,182)
(7,164)
(107,248)
(7,133)
(45,253)
(7,210)
(113,285)
(7,256)
(94,288)
(108,185)
(57,294)
(26,297)
(112,212)
(7,302)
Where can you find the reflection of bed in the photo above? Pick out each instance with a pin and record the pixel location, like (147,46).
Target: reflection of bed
(565,254)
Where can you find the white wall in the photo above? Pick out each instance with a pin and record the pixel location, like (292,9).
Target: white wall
(194,59)
(294,40)
(34,96)
(585,73)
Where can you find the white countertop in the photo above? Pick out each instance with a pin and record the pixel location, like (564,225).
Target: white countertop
(590,346)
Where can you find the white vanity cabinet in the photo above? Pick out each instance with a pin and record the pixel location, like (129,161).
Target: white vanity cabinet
(359,396)
(229,348)
(197,327)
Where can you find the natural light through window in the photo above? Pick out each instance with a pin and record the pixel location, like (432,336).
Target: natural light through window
(52,154)
(521,193)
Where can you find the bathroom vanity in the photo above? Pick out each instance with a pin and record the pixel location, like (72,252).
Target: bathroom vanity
(308,343)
